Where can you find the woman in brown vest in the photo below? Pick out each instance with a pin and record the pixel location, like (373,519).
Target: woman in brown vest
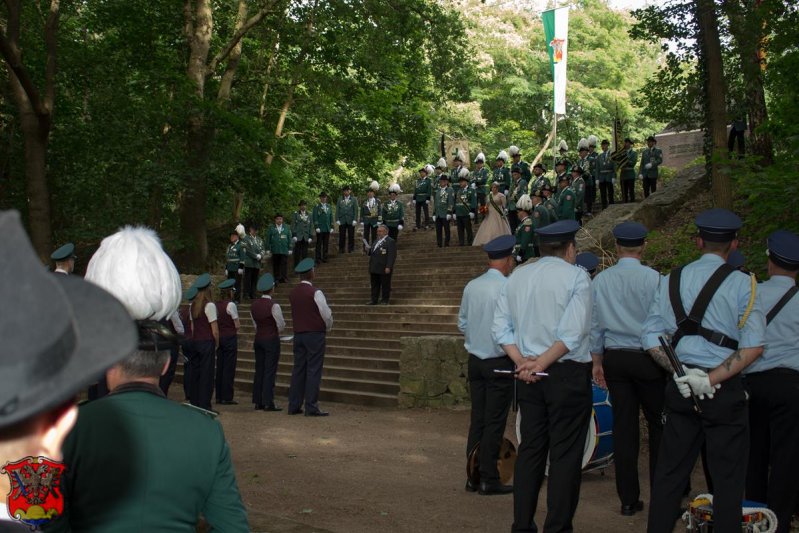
(205,341)
(268,320)
(228,321)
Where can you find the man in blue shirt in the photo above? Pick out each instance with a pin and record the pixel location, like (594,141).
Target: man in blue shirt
(714,346)
(490,393)
(542,321)
(773,385)
(622,296)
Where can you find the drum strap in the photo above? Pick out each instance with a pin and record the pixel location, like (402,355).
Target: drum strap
(790,293)
(691,324)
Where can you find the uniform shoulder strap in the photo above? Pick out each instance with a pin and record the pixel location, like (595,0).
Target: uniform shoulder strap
(692,323)
(790,293)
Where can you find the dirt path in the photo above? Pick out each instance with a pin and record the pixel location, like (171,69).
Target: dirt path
(368,469)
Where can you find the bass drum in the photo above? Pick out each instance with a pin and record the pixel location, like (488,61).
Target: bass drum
(598,449)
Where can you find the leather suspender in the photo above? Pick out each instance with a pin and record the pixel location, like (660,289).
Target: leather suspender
(790,293)
(691,324)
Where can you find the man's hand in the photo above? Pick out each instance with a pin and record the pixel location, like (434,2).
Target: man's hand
(471,216)
(309,241)
(427,202)
(527,370)
(294,239)
(434,218)
(696,380)
(414,202)
(318,230)
(258,257)
(338,223)
(640,176)
(353,222)
(449,217)
(388,271)
(291,252)
(361,223)
(241,271)
(648,166)
(598,374)
(399,227)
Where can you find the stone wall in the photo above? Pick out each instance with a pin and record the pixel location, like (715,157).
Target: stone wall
(433,372)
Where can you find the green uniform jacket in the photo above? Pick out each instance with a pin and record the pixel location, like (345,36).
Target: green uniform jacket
(503,177)
(479,178)
(371,217)
(605,168)
(139,462)
(235,257)
(653,156)
(592,167)
(253,246)
(443,202)
(539,182)
(628,169)
(540,216)
(423,190)
(525,168)
(453,175)
(301,225)
(322,217)
(517,189)
(578,186)
(393,214)
(552,208)
(566,203)
(524,240)
(585,165)
(279,241)
(465,201)
(347,210)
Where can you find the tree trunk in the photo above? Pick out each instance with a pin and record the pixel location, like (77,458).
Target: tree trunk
(715,91)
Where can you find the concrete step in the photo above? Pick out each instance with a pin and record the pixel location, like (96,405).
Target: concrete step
(361,384)
(390,364)
(332,369)
(409,328)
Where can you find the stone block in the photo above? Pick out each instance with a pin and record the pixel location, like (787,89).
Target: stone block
(433,372)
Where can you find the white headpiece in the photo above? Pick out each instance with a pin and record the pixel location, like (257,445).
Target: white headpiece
(503,155)
(480,157)
(463,173)
(240,230)
(563,145)
(525,203)
(592,140)
(583,143)
(442,164)
(513,150)
(374,186)
(429,169)
(394,187)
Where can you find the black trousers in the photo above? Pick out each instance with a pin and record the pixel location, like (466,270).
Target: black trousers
(738,136)
(237,287)
(442,225)
(226,356)
(322,244)
(381,286)
(590,198)
(773,474)
(186,348)
(606,193)
(202,373)
(555,414)
(465,235)
(724,425)
(280,267)
(267,357)
(250,281)
(393,232)
(491,396)
(513,221)
(370,233)
(650,186)
(306,376)
(634,381)
(166,380)
(346,236)
(300,251)
(422,206)
(627,191)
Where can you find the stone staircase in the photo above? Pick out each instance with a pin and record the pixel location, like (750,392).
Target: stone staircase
(363,349)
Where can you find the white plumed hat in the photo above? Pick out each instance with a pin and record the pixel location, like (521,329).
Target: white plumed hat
(503,155)
(583,143)
(513,150)
(132,265)
(442,164)
(394,187)
(429,168)
(374,186)
(525,203)
(240,230)
(480,157)
(563,145)
(463,173)
(592,140)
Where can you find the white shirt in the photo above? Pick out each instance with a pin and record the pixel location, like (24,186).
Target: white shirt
(321,304)
(61,271)
(277,314)
(232,310)
(210,312)
(177,323)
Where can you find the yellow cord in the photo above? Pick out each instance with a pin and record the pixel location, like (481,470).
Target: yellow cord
(751,303)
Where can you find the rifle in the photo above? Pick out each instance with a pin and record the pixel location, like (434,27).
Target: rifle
(677,366)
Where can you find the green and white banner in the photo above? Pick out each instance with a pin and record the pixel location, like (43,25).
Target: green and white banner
(556,31)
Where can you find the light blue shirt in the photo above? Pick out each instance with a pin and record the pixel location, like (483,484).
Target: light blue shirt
(545,302)
(623,295)
(726,309)
(477,314)
(782,335)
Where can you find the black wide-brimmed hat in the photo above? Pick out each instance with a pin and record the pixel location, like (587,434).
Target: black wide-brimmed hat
(60,333)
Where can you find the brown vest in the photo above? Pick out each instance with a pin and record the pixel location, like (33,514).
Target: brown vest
(227,328)
(304,312)
(201,327)
(261,311)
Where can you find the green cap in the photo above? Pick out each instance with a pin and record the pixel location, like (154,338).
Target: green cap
(202,281)
(190,293)
(265,282)
(227,284)
(305,265)
(65,252)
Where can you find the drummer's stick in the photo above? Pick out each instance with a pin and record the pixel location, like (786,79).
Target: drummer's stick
(677,366)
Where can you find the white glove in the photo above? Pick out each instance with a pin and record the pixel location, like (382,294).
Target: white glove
(427,202)
(696,380)
(361,224)
(471,215)
(241,271)
(613,181)
(414,202)
(434,218)
(338,223)
(506,192)
(291,252)
(518,259)
(474,185)
(268,254)
(640,176)
(318,230)
(258,257)
(399,227)
(353,222)
(449,217)
(294,239)
(648,166)
(309,241)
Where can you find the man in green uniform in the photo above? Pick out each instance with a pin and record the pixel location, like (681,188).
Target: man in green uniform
(301,232)
(479,178)
(465,204)
(606,175)
(254,251)
(566,199)
(540,216)
(502,173)
(578,186)
(517,189)
(539,178)
(549,203)
(322,216)
(277,242)
(443,205)
(560,170)
(563,155)
(371,214)
(590,191)
(516,159)
(524,233)
(584,164)
(627,173)
(422,192)
(393,212)
(651,159)
(234,265)
(455,172)
(346,219)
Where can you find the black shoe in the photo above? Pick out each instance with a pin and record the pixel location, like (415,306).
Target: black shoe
(324,260)
(470,487)
(494,487)
(629,510)
(273,408)
(317,413)
(371,303)
(227,402)
(297,412)
(384,302)
(259,407)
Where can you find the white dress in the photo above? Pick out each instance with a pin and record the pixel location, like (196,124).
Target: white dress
(495,224)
